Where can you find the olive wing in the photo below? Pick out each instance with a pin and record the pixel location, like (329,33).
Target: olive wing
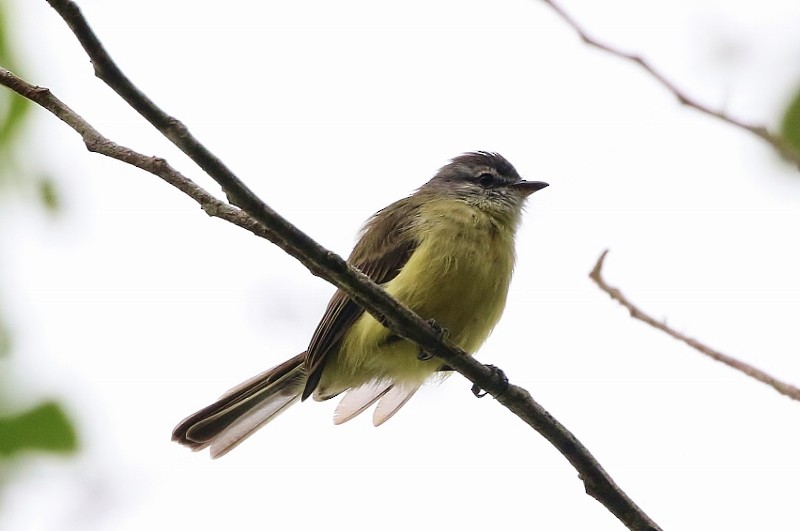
(385,246)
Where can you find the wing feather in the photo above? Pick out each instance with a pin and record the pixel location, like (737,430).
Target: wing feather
(383,249)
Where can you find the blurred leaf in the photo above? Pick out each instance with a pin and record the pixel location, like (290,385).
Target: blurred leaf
(48,193)
(16,107)
(43,428)
(11,121)
(4,53)
(13,108)
(790,125)
(5,339)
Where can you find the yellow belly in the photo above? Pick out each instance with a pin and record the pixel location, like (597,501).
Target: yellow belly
(458,276)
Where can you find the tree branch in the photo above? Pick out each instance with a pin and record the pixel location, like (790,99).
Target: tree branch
(257,217)
(776,141)
(782,387)
(97,143)
(597,482)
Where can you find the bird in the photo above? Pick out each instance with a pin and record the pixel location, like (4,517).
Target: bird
(447,251)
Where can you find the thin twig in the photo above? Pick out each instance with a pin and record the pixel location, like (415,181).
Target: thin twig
(97,143)
(777,141)
(782,387)
(332,268)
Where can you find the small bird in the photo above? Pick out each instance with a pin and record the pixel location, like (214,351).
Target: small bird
(446,251)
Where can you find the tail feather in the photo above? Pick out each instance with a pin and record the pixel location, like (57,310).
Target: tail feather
(242,410)
(246,425)
(357,400)
(390,398)
(390,403)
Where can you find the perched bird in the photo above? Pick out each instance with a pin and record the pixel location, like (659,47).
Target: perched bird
(446,251)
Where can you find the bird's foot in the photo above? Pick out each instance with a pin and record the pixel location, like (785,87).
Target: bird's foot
(442,333)
(498,376)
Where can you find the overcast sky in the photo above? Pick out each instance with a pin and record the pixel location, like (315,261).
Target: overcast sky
(136,309)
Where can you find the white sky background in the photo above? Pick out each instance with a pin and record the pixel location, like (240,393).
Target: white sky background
(137,309)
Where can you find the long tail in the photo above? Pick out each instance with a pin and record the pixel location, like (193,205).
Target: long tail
(244,409)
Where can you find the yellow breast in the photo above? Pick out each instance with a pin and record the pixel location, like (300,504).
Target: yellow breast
(458,276)
(460,273)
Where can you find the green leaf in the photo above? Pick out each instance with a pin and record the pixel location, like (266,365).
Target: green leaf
(16,107)
(5,339)
(790,124)
(43,428)
(11,121)
(4,53)
(48,194)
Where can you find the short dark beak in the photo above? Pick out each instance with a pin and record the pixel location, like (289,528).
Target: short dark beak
(526,188)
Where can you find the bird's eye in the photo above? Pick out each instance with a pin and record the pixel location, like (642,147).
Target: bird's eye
(485,179)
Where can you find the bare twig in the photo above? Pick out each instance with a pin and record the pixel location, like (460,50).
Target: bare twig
(778,142)
(260,219)
(97,143)
(782,387)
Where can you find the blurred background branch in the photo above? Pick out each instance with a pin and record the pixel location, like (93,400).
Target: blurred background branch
(787,144)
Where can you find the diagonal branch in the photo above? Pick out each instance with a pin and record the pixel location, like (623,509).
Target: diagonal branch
(777,141)
(260,219)
(782,387)
(597,482)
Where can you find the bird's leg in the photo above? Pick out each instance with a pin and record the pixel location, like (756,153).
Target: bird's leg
(499,376)
(440,331)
